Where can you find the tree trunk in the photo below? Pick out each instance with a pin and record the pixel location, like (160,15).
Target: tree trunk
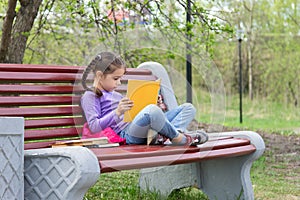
(250,8)
(6,30)
(21,29)
(250,70)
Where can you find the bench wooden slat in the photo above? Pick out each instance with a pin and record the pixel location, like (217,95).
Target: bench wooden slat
(27,77)
(126,77)
(38,100)
(47,89)
(40,68)
(165,160)
(222,143)
(38,145)
(38,77)
(51,133)
(59,69)
(136,71)
(53,122)
(39,89)
(136,151)
(40,112)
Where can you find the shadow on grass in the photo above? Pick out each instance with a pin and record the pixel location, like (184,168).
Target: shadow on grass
(124,185)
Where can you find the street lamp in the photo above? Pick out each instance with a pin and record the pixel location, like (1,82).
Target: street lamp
(240,34)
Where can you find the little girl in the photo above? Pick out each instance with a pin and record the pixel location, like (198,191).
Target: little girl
(103,107)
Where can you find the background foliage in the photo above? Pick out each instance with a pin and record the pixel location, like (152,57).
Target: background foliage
(71,32)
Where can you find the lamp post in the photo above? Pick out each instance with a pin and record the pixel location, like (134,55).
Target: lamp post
(188,54)
(240,39)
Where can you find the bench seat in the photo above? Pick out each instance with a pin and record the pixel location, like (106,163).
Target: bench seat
(141,156)
(48,96)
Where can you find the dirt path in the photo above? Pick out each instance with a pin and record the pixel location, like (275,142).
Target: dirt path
(284,149)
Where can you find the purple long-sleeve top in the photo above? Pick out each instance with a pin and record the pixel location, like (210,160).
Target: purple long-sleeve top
(100,111)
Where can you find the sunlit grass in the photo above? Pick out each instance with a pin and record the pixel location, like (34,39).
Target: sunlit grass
(256,115)
(271,183)
(124,185)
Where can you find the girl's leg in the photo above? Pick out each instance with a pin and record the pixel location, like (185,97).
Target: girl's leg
(151,117)
(181,116)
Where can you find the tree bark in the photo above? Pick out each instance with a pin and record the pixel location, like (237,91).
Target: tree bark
(6,30)
(250,69)
(250,9)
(21,29)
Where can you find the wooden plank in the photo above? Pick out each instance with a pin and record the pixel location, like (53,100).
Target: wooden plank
(39,89)
(214,138)
(25,77)
(40,112)
(38,77)
(138,77)
(165,160)
(40,68)
(223,143)
(138,71)
(156,150)
(59,69)
(42,134)
(54,122)
(38,145)
(47,89)
(137,151)
(37,100)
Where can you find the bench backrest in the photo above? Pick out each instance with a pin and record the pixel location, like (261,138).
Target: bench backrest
(48,97)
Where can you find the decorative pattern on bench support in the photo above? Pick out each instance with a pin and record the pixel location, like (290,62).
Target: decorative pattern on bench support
(11,157)
(59,173)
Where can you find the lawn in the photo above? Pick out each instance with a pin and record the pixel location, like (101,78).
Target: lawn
(124,185)
(263,115)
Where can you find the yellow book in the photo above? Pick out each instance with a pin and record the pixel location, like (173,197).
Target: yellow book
(142,93)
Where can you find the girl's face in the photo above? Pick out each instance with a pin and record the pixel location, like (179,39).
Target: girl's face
(109,82)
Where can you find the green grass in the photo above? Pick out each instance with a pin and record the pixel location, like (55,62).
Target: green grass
(268,116)
(272,180)
(124,185)
(257,115)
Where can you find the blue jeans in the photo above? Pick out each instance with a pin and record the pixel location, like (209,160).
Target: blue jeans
(152,117)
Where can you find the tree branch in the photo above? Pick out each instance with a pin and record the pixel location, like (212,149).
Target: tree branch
(42,20)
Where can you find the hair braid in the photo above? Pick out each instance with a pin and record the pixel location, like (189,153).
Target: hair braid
(85,74)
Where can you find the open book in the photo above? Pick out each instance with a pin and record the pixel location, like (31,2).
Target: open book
(142,93)
(82,142)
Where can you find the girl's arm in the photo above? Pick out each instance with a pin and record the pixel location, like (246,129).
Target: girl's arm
(92,111)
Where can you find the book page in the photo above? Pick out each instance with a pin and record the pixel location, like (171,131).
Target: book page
(142,93)
(81,142)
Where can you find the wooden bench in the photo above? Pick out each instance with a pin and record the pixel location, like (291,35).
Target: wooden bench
(47,96)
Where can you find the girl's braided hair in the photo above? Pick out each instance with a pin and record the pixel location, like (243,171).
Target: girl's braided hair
(107,63)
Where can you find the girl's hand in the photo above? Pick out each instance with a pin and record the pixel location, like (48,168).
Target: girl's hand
(159,100)
(161,104)
(124,105)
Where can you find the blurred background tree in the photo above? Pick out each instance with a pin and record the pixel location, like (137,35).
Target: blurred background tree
(69,33)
